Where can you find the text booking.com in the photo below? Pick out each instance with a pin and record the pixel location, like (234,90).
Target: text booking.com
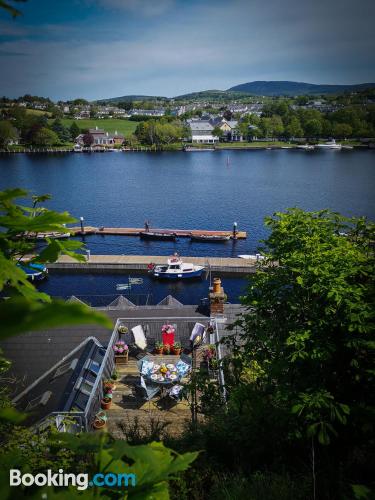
(64,479)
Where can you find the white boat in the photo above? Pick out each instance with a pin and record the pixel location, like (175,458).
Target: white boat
(257,256)
(306,147)
(329,145)
(77,148)
(176,269)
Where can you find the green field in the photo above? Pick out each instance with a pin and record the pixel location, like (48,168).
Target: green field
(37,112)
(124,127)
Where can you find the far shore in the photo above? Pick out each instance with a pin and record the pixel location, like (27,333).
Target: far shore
(234,146)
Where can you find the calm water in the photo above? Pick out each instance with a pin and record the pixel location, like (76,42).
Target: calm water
(192,191)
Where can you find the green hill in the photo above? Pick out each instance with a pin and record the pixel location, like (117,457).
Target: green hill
(275,88)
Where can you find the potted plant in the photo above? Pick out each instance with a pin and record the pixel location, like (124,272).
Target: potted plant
(109,385)
(115,375)
(121,352)
(100,420)
(122,329)
(159,348)
(176,348)
(166,349)
(106,401)
(209,353)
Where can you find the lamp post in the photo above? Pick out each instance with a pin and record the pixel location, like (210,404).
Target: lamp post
(234,230)
(82,228)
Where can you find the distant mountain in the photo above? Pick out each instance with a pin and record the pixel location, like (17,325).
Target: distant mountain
(126,98)
(210,95)
(275,88)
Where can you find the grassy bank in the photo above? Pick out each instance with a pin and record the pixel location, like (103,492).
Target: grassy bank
(124,127)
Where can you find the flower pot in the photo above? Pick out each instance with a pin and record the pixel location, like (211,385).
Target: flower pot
(158,350)
(106,403)
(109,387)
(122,359)
(99,424)
(176,351)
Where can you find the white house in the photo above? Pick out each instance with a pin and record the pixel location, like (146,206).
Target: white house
(201,132)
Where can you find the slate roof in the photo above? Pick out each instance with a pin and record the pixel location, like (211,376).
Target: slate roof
(169,300)
(200,126)
(121,302)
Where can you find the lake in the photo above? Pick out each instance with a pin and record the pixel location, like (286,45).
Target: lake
(196,190)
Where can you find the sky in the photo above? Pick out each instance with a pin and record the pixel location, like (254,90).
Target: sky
(64,49)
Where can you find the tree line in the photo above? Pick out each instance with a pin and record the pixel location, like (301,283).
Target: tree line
(279,120)
(34,130)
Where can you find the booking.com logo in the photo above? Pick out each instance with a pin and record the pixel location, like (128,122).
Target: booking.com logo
(80,481)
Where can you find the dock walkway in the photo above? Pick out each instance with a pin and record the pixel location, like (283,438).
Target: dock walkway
(134,231)
(139,263)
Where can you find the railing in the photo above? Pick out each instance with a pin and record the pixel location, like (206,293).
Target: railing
(106,369)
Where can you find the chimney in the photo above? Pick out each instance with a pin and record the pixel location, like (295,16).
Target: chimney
(217,298)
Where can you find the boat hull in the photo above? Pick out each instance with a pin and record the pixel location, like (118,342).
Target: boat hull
(178,276)
(34,272)
(208,239)
(157,236)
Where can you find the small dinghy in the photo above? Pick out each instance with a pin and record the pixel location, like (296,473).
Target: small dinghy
(155,235)
(34,272)
(209,238)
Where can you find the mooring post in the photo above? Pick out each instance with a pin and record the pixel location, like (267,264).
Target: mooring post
(234,230)
(82,228)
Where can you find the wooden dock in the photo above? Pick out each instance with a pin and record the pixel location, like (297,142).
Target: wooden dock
(139,263)
(134,231)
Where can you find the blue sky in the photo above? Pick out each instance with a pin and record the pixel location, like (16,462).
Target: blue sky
(105,48)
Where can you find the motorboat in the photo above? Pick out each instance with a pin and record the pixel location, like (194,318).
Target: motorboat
(256,257)
(176,269)
(53,235)
(34,272)
(209,238)
(306,147)
(329,145)
(157,235)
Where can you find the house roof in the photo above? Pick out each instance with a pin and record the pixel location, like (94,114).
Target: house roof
(62,387)
(200,126)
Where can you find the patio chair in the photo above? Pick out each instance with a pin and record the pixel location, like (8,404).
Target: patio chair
(139,337)
(140,362)
(176,392)
(198,335)
(148,391)
(186,359)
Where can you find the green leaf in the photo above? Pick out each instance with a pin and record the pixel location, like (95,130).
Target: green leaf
(360,491)
(11,415)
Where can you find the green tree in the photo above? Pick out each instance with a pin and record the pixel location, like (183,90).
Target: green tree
(74,131)
(313,128)
(294,128)
(62,132)
(305,352)
(218,132)
(45,137)
(7,133)
(342,130)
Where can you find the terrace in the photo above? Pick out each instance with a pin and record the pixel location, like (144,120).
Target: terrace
(67,368)
(129,408)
